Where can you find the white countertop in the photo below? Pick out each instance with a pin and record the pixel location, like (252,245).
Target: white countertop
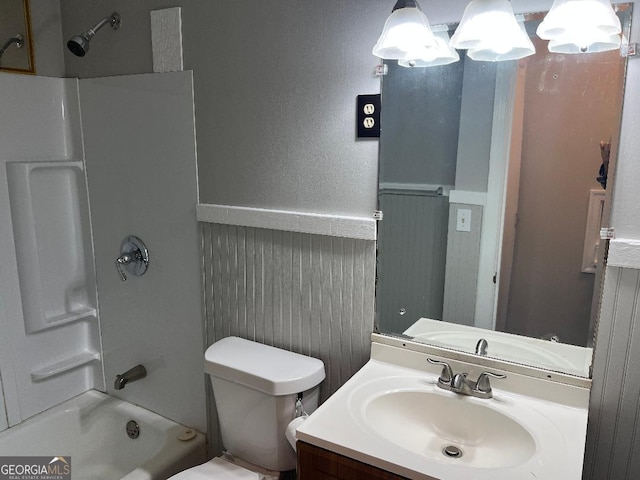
(556,419)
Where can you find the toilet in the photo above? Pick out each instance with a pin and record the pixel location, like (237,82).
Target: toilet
(256,389)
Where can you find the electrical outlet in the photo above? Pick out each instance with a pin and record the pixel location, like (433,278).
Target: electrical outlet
(368,116)
(463,223)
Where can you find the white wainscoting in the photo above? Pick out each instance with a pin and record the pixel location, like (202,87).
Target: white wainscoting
(311,294)
(613,446)
(411,273)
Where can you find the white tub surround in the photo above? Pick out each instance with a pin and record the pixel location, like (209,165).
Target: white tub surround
(91,429)
(135,141)
(50,343)
(547,422)
(139,136)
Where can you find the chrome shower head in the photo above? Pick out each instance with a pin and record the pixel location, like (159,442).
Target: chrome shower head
(79,44)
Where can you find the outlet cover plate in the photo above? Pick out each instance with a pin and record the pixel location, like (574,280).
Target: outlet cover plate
(368,116)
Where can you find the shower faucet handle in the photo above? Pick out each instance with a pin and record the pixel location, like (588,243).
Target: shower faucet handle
(123,277)
(134,257)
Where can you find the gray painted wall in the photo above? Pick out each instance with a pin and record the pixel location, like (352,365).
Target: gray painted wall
(276,85)
(476,120)
(420,123)
(48,46)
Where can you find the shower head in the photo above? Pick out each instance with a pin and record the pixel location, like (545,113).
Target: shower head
(79,44)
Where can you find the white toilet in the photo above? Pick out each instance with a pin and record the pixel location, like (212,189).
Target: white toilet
(256,388)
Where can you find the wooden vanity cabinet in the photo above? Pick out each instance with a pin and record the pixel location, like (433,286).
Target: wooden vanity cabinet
(315,463)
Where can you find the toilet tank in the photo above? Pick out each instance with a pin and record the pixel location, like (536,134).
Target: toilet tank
(255,388)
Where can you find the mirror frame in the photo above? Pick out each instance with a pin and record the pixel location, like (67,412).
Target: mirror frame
(28,40)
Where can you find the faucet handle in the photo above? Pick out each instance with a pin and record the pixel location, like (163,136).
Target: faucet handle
(483,385)
(481,347)
(447,374)
(458,382)
(134,257)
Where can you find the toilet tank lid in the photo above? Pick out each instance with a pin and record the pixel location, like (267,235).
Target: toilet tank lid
(271,370)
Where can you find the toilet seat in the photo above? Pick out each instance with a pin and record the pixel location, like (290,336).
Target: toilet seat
(217,468)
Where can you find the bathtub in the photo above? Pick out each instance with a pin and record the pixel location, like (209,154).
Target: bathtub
(91,428)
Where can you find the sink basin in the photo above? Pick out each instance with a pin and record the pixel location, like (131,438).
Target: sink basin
(449,429)
(395,417)
(409,416)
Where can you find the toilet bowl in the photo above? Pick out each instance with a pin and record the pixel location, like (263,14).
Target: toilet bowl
(259,390)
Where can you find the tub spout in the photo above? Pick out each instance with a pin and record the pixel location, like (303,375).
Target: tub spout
(131,375)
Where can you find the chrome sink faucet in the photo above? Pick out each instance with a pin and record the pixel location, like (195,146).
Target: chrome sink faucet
(131,375)
(481,347)
(460,384)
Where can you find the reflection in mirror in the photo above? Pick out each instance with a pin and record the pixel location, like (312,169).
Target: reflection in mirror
(493,184)
(16,49)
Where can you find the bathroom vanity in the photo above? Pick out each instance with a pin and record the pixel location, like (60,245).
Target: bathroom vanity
(394,419)
(315,463)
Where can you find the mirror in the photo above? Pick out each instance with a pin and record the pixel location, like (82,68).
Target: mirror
(491,184)
(16,48)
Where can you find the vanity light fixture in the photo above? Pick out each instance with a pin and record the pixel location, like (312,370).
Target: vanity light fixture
(520,47)
(441,54)
(602,44)
(490,31)
(406,32)
(581,26)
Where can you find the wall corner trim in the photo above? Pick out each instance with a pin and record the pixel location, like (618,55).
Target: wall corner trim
(468,198)
(624,252)
(362,228)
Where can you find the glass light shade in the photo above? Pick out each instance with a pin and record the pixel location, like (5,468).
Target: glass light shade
(406,29)
(486,21)
(441,54)
(582,21)
(493,49)
(490,31)
(602,44)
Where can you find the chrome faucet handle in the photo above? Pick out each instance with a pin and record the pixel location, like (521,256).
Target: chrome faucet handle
(458,382)
(481,347)
(134,257)
(483,385)
(125,259)
(446,377)
(123,277)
